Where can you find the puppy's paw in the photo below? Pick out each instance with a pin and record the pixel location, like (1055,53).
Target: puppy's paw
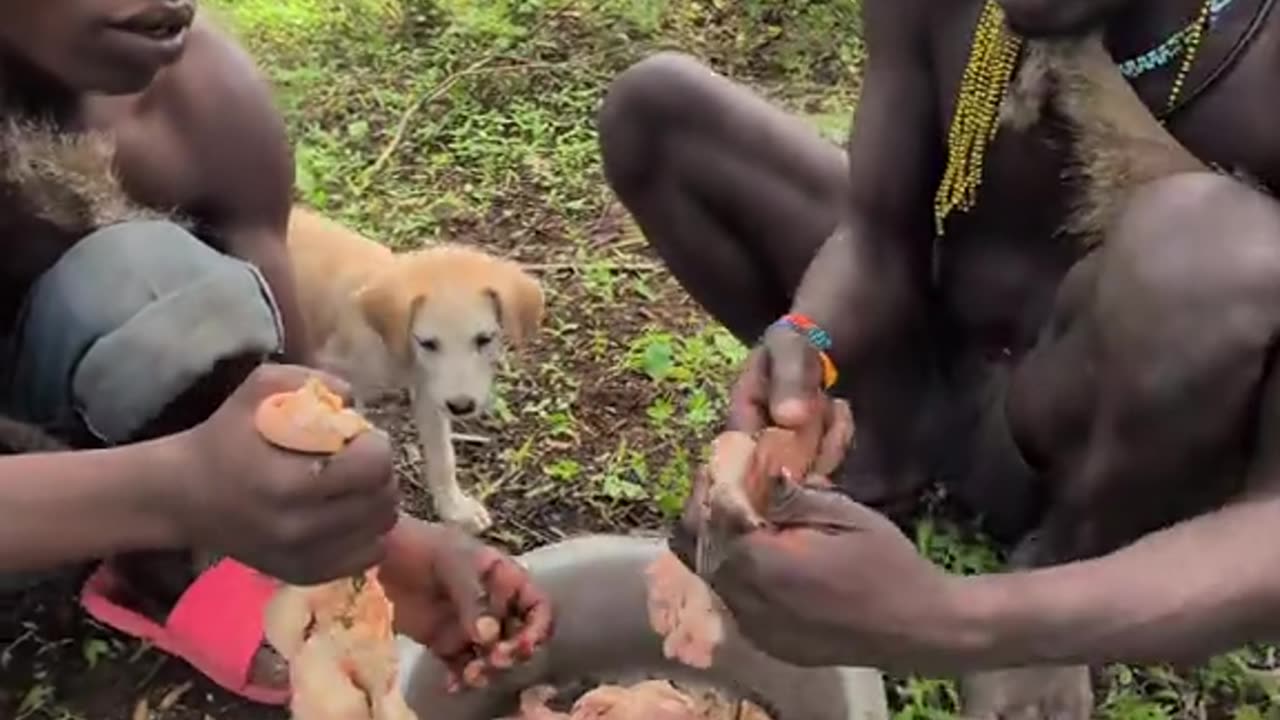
(1049,693)
(466,512)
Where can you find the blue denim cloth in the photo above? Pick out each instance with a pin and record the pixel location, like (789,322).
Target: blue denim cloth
(125,322)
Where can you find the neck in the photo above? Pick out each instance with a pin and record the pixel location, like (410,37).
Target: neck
(27,92)
(1143,24)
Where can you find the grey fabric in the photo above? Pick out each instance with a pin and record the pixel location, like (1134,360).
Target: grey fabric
(127,320)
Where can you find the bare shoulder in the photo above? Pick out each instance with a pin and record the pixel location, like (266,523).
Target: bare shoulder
(221,113)
(217,85)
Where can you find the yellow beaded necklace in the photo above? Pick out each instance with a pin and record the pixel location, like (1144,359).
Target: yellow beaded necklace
(993,56)
(1194,40)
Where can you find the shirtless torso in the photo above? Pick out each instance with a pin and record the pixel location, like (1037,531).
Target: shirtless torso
(1076,400)
(203,137)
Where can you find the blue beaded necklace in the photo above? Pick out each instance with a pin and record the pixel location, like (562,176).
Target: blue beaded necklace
(1167,51)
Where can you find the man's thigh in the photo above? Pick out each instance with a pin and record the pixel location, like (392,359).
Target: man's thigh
(129,319)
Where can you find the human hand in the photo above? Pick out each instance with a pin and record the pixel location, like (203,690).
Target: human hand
(731,491)
(780,385)
(832,582)
(473,606)
(302,518)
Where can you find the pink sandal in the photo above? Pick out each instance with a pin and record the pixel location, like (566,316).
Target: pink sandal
(216,627)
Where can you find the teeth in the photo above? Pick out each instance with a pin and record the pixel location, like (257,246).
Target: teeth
(160,31)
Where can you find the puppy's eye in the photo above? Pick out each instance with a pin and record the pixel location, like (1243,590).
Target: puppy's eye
(483,340)
(429,344)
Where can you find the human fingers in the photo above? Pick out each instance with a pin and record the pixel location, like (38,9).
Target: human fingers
(795,379)
(364,467)
(803,505)
(315,564)
(837,437)
(749,395)
(270,378)
(534,615)
(449,639)
(460,572)
(684,536)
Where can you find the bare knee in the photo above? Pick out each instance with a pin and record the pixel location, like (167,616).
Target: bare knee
(1181,321)
(1198,244)
(640,108)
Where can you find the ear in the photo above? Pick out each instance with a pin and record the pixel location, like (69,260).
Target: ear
(387,306)
(520,301)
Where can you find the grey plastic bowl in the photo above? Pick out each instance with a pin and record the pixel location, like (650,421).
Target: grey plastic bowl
(602,633)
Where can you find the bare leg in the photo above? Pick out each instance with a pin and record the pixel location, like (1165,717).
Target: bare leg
(1140,404)
(737,196)
(734,194)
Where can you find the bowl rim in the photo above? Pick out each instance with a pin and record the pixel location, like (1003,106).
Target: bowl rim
(862,688)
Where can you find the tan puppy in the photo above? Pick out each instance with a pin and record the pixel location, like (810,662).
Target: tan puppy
(435,321)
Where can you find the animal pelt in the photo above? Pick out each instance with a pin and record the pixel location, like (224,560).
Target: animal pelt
(1116,143)
(68,180)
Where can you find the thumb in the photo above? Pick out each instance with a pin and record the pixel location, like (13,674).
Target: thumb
(798,505)
(795,380)
(684,536)
(462,574)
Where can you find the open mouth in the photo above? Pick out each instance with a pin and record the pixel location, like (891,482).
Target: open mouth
(160,22)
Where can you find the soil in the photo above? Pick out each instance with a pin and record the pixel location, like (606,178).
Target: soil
(55,663)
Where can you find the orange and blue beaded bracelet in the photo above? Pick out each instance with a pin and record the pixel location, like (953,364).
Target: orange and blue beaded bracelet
(818,338)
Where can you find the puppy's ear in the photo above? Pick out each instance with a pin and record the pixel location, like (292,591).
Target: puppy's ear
(519,299)
(388,306)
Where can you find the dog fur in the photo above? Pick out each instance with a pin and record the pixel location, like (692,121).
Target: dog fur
(371,313)
(435,321)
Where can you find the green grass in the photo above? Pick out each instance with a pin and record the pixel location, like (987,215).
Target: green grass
(419,121)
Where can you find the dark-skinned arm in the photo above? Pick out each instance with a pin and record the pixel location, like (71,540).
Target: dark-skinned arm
(1202,587)
(66,507)
(1206,585)
(245,148)
(857,287)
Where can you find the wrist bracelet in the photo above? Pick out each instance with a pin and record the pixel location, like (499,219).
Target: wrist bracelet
(818,338)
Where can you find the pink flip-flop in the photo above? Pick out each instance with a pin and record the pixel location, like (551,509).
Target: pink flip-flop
(216,627)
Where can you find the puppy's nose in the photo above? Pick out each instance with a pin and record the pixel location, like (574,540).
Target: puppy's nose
(461,406)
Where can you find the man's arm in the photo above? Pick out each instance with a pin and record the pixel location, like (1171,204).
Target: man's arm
(67,507)
(242,149)
(1204,586)
(860,283)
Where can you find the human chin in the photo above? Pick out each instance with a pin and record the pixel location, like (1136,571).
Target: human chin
(1057,18)
(113,80)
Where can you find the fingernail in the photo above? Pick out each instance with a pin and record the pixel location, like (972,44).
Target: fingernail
(789,410)
(488,630)
(502,656)
(473,673)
